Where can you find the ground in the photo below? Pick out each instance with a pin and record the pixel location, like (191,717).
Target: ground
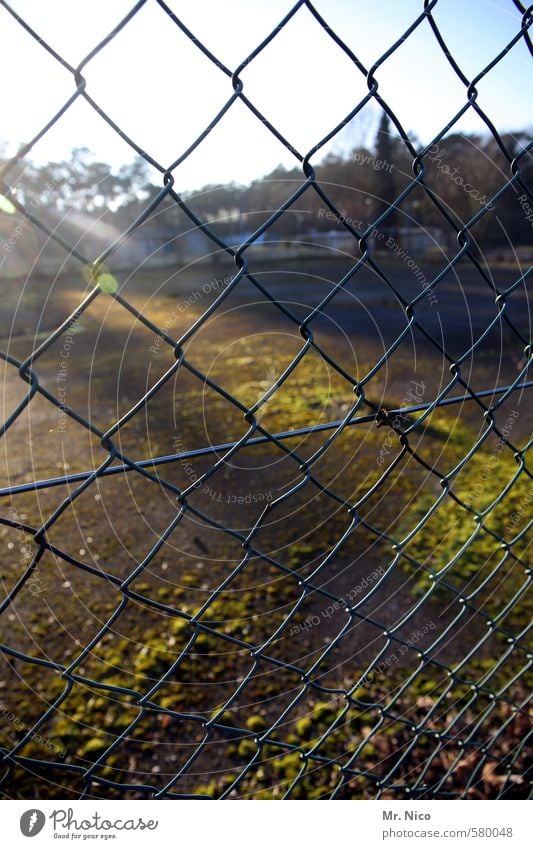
(245,347)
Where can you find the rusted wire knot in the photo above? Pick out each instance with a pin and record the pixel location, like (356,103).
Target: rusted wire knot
(383,418)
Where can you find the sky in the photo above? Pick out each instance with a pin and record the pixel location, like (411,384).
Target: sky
(163,91)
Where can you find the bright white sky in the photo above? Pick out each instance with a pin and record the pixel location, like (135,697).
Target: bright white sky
(163,91)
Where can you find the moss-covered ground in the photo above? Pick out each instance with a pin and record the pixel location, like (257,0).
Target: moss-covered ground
(453,590)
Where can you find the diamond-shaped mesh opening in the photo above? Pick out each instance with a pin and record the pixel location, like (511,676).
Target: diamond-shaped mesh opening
(304,85)
(168,56)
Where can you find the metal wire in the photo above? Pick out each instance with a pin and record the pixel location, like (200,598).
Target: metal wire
(494,707)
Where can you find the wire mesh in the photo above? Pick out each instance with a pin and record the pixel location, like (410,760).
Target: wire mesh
(447,739)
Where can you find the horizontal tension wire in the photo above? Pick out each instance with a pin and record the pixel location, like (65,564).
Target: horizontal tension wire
(256,440)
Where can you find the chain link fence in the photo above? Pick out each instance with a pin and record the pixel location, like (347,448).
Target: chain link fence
(404,716)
